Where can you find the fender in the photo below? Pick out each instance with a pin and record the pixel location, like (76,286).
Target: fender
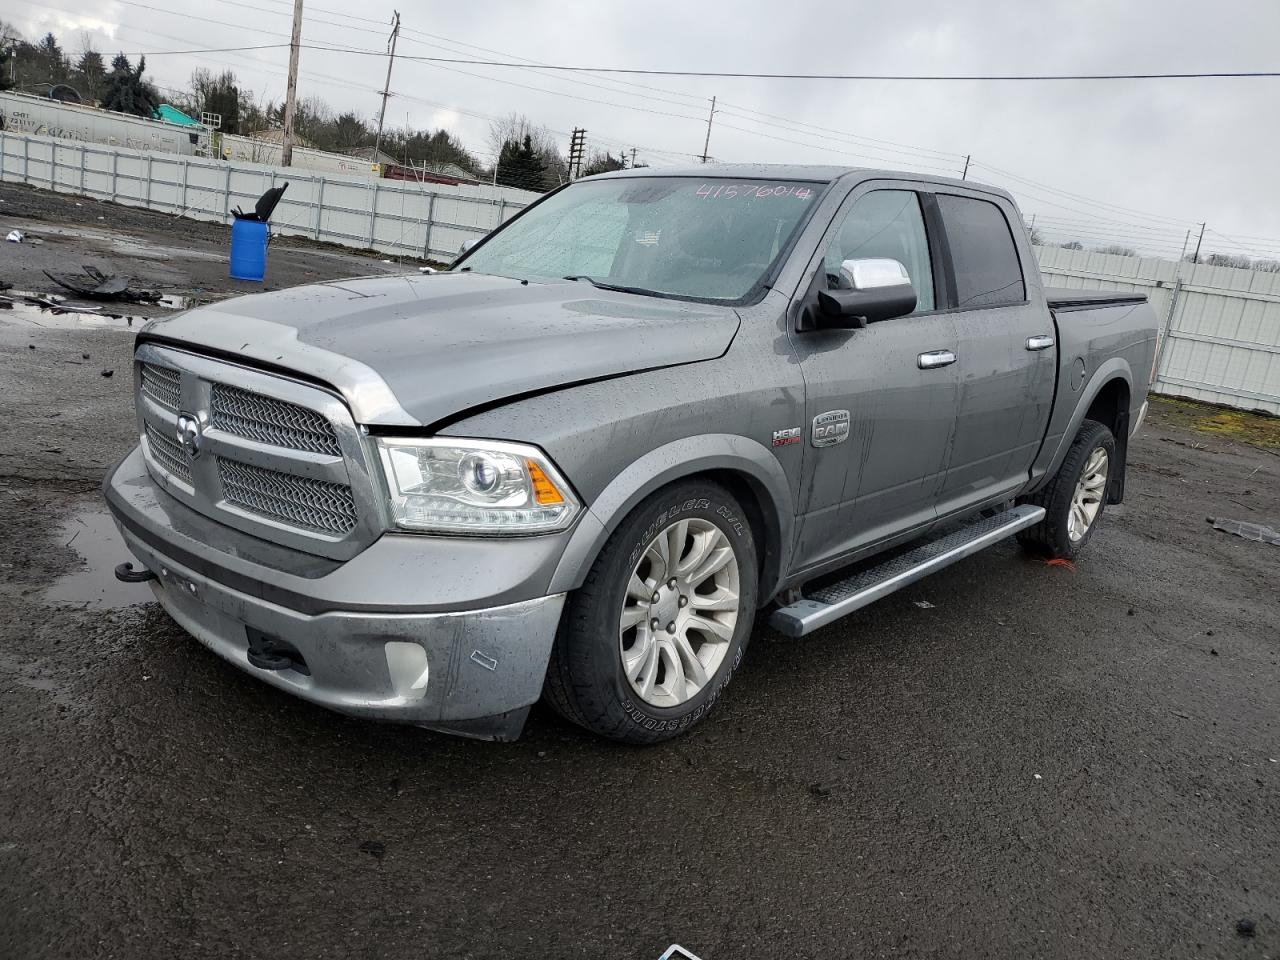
(682,458)
(1048,462)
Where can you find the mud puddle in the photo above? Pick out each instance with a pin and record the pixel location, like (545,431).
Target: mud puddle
(55,312)
(92,533)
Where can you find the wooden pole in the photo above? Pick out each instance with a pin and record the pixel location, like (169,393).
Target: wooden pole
(291,94)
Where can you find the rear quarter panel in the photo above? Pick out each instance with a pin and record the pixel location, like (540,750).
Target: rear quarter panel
(1095,346)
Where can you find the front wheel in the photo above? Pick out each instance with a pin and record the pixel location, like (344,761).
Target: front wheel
(1076,496)
(653,635)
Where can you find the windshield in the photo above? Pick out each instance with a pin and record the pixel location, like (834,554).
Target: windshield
(712,239)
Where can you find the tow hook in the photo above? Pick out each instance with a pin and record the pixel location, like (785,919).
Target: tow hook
(268,653)
(126,574)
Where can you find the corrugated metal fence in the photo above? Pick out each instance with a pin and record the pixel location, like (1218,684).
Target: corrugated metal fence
(1220,325)
(428,221)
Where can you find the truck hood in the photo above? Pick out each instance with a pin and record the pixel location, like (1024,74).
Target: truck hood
(418,349)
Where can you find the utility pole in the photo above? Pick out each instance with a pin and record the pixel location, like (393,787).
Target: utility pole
(965,175)
(1195,257)
(633,158)
(706,144)
(291,92)
(577,152)
(386,88)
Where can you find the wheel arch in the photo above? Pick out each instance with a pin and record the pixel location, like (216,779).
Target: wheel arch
(1110,407)
(1105,398)
(745,467)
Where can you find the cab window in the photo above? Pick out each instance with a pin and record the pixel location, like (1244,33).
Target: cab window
(983,254)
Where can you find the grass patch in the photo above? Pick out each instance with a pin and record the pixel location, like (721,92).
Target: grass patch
(1255,429)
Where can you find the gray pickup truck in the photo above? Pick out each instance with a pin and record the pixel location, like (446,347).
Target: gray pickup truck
(578,464)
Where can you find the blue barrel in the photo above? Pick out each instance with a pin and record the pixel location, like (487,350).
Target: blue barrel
(248,250)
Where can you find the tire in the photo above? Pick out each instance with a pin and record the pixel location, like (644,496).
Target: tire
(1059,535)
(598,646)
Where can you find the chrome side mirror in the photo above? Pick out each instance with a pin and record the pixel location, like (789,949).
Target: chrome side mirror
(877,288)
(873,273)
(467,245)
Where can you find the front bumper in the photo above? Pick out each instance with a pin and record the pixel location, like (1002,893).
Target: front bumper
(472,671)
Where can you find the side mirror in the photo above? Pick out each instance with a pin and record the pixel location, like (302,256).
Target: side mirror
(874,289)
(467,245)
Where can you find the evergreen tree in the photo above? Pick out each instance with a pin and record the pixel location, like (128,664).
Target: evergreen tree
(126,91)
(519,165)
(90,75)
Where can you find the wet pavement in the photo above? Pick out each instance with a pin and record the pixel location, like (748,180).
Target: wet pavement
(1041,762)
(91,582)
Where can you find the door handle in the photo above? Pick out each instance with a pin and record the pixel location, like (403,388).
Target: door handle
(935,358)
(1041,342)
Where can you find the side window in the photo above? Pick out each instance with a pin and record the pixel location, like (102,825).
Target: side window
(885,223)
(982,253)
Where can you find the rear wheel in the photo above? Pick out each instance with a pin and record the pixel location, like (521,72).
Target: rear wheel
(1076,496)
(652,637)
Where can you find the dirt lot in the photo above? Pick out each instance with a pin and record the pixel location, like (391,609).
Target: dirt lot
(1044,762)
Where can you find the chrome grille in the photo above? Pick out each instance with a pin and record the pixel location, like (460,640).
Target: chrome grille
(169,454)
(278,459)
(299,501)
(268,420)
(162,385)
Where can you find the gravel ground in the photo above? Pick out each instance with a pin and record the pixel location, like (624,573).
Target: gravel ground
(1044,762)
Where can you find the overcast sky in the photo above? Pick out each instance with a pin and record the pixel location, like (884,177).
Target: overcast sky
(1146,157)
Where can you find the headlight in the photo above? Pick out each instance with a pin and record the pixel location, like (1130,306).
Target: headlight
(474,486)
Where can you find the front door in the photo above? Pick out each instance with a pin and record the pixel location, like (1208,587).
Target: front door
(890,382)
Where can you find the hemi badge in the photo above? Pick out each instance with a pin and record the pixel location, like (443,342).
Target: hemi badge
(830,428)
(782,438)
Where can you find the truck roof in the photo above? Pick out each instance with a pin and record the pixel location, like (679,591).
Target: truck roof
(821,173)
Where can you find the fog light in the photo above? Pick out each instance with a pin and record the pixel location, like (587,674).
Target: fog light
(407,665)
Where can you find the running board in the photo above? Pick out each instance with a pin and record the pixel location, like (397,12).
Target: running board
(836,600)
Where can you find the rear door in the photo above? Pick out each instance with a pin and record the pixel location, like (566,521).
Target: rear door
(878,418)
(1006,357)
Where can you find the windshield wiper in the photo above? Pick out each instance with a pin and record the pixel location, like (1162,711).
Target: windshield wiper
(617,287)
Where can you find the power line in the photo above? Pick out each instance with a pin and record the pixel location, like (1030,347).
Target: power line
(567,68)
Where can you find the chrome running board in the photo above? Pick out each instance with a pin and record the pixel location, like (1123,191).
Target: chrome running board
(825,604)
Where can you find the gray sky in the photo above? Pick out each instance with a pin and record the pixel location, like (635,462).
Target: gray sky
(1143,158)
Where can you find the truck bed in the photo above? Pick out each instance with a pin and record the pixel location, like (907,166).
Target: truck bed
(1063,298)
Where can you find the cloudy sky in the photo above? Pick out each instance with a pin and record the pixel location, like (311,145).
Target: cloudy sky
(1138,162)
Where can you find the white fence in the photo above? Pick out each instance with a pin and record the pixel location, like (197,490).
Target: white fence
(1220,326)
(426,221)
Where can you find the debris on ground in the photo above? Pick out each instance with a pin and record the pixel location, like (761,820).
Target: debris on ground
(1060,562)
(1245,927)
(16,236)
(923,604)
(1257,532)
(823,789)
(96,285)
